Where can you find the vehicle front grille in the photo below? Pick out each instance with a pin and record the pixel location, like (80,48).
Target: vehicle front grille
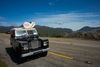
(35,44)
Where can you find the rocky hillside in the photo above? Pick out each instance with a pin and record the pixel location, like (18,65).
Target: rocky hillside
(43,31)
(85,32)
(88,33)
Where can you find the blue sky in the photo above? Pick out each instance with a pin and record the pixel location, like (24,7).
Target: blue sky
(72,14)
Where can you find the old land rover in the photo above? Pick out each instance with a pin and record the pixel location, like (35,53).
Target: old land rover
(26,42)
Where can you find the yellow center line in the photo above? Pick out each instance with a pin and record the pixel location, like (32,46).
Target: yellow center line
(61,55)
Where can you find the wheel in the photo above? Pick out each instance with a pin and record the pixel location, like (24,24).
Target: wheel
(44,53)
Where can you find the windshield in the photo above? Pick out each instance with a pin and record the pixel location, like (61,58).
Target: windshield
(31,32)
(26,32)
(21,32)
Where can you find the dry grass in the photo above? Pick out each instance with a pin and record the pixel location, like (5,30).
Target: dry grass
(2,64)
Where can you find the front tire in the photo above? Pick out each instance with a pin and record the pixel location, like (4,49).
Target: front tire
(44,53)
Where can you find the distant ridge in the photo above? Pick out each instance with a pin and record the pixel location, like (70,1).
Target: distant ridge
(49,31)
(45,31)
(87,28)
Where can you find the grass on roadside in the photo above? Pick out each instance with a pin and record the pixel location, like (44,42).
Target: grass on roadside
(2,63)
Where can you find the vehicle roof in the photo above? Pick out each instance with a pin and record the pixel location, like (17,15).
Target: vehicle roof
(23,28)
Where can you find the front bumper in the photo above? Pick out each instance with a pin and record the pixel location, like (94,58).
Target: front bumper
(34,52)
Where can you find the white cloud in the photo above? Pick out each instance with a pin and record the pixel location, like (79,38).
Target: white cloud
(73,20)
(2,18)
(53,3)
(4,22)
(69,20)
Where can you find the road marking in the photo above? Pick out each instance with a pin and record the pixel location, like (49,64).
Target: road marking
(61,55)
(61,42)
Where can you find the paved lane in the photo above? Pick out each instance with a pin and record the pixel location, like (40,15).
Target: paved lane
(62,53)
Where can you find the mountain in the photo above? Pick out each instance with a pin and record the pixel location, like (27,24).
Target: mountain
(85,32)
(88,33)
(43,30)
(49,31)
(4,29)
(87,28)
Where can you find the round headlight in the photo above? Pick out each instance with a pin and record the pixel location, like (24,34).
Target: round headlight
(45,43)
(25,48)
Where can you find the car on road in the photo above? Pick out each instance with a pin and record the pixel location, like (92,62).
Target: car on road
(26,42)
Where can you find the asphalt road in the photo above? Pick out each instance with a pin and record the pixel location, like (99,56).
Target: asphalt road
(63,53)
